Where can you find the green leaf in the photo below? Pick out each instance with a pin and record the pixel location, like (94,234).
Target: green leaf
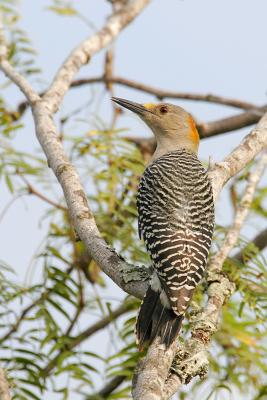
(9,184)
(30,394)
(66,11)
(59,308)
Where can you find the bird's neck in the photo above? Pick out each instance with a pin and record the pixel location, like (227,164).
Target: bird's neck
(166,144)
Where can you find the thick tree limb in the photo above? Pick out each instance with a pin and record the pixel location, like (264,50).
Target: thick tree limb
(204,324)
(149,384)
(130,279)
(192,358)
(125,275)
(241,213)
(252,144)
(4,389)
(152,372)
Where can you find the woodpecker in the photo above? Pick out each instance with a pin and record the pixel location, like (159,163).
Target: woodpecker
(175,219)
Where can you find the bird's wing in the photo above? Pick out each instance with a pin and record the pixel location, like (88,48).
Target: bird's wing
(180,261)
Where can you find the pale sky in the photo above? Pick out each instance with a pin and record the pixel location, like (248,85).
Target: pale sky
(206,46)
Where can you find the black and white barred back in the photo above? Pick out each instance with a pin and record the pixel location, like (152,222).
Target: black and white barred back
(176,220)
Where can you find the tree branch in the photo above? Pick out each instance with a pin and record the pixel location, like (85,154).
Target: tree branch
(86,333)
(4,389)
(206,129)
(11,73)
(192,358)
(108,388)
(132,280)
(246,151)
(27,309)
(260,241)
(32,190)
(122,273)
(161,94)
(152,374)
(233,123)
(82,54)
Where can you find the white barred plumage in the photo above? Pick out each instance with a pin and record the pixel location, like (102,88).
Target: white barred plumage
(175,219)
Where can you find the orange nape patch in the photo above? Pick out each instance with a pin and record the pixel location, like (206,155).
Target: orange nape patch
(149,106)
(194,136)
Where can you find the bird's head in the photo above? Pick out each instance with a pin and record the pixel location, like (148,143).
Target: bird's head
(173,127)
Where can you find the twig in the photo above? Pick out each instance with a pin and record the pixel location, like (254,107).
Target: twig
(11,73)
(20,319)
(46,132)
(88,332)
(80,306)
(260,241)
(131,280)
(109,388)
(161,94)
(9,204)
(206,129)
(27,309)
(209,129)
(20,81)
(32,190)
(4,389)
(231,123)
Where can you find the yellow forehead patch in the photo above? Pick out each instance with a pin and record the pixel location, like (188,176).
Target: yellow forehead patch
(149,106)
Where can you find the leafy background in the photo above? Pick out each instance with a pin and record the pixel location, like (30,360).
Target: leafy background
(65,329)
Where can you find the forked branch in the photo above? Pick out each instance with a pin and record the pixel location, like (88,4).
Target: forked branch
(130,279)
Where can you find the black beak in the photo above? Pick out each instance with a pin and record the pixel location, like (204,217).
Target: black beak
(131,105)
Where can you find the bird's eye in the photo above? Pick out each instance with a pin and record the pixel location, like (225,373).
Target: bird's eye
(163,109)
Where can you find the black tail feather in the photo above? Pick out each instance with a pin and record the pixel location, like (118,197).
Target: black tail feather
(156,320)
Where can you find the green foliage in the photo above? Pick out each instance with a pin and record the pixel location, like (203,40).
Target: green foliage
(20,50)
(47,327)
(259,202)
(43,334)
(67,8)
(64,8)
